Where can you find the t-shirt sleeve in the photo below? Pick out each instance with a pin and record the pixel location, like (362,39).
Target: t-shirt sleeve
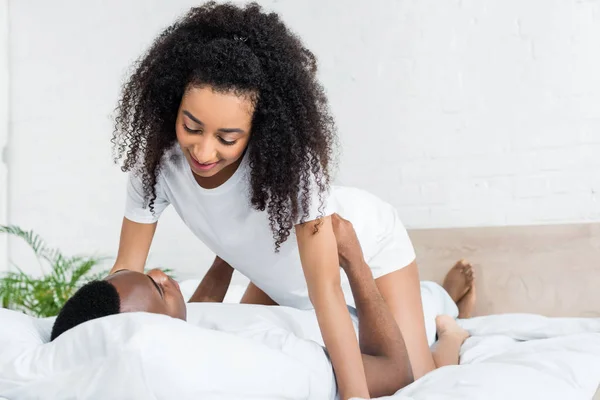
(135,208)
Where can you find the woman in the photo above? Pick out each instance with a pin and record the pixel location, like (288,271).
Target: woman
(224,119)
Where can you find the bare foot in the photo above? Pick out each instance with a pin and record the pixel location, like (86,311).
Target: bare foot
(446,325)
(467,303)
(459,280)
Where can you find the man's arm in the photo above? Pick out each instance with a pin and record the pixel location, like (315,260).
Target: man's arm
(384,354)
(215,283)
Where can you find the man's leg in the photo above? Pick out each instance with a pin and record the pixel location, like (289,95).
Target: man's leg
(385,358)
(460,286)
(451,337)
(401,291)
(386,363)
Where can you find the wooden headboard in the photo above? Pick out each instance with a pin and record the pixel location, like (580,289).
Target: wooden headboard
(553,270)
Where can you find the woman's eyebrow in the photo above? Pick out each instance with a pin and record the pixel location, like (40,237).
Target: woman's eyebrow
(224,130)
(190,116)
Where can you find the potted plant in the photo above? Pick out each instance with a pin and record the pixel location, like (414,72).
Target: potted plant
(45,295)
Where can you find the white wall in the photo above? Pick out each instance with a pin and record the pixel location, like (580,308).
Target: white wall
(4,107)
(460,113)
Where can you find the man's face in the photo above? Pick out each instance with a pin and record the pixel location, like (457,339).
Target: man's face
(154,292)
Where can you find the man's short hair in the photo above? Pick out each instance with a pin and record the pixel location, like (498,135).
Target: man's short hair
(93,300)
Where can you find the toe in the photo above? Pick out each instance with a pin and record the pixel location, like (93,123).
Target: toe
(443,322)
(468,271)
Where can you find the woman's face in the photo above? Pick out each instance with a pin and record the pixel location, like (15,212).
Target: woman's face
(213,129)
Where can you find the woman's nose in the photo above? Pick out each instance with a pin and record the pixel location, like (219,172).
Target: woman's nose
(204,153)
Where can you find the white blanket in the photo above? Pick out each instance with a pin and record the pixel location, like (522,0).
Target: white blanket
(518,356)
(253,352)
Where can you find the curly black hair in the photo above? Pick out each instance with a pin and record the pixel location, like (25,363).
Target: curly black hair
(246,51)
(93,300)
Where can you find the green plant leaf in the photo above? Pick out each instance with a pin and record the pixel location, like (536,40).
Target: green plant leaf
(44,296)
(33,240)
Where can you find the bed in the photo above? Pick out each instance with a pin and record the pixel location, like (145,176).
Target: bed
(550,270)
(542,341)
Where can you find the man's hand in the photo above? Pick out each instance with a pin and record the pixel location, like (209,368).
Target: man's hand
(349,250)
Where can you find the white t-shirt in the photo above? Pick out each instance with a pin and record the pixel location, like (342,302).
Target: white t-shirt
(225,221)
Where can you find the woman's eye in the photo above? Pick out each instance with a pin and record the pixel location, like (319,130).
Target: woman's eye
(187,129)
(226,142)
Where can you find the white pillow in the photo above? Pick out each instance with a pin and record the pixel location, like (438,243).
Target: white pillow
(20,331)
(149,356)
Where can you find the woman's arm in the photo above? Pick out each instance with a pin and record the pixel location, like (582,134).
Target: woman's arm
(215,283)
(319,257)
(134,246)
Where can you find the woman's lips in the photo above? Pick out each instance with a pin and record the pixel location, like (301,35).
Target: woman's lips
(203,167)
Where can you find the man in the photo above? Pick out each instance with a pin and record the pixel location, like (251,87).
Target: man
(386,363)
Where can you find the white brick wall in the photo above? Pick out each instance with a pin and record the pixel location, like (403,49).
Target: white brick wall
(460,112)
(4,106)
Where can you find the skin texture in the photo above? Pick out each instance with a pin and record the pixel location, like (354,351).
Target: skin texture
(154,292)
(385,358)
(320,262)
(213,287)
(222,136)
(402,293)
(134,246)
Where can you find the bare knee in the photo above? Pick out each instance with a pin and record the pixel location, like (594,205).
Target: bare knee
(404,376)
(399,376)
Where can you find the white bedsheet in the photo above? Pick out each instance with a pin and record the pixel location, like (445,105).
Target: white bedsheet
(253,352)
(518,356)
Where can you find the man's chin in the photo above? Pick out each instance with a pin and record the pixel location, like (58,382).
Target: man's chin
(183,315)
